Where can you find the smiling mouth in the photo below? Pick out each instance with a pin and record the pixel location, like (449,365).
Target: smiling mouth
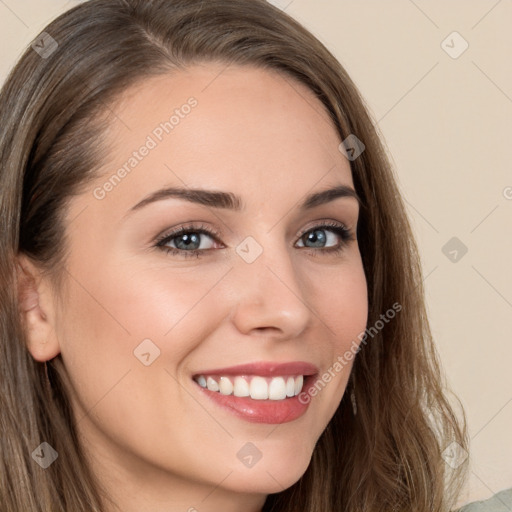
(256,387)
(268,392)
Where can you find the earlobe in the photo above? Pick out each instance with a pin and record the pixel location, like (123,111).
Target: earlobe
(36,311)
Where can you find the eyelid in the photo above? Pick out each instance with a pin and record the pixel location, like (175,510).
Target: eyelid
(190,226)
(212,232)
(319,223)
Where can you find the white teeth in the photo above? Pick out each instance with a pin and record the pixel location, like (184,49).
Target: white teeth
(277,389)
(290,386)
(241,387)
(225,386)
(212,384)
(257,387)
(299,381)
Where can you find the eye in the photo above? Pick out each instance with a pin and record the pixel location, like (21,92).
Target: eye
(324,237)
(188,241)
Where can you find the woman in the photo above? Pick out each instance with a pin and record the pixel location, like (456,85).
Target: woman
(288,365)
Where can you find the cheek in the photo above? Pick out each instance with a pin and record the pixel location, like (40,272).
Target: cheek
(124,313)
(345,304)
(341,300)
(177,309)
(102,328)
(341,303)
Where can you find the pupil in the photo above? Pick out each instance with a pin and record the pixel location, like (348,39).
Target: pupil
(189,240)
(317,237)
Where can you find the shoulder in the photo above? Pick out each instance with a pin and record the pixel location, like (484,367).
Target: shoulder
(500,502)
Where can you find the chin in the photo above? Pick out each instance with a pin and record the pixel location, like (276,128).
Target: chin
(278,472)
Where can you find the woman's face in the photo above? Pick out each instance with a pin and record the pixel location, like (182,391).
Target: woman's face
(149,316)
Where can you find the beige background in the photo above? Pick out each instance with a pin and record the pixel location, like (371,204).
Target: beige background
(447,123)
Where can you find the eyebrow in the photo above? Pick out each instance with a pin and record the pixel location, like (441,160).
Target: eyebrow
(230,201)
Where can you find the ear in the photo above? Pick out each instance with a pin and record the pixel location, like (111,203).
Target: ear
(37,310)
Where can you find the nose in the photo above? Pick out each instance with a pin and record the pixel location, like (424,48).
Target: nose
(271,297)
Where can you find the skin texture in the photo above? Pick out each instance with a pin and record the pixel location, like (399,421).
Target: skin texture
(155,442)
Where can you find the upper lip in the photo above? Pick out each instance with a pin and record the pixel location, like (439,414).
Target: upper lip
(265,369)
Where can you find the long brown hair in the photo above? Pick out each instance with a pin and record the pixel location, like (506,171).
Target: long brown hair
(53,110)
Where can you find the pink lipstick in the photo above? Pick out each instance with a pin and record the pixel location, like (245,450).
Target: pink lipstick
(261,392)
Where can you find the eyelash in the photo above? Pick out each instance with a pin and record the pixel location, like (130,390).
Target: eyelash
(344,233)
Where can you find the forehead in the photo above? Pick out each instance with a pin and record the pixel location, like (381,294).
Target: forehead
(232,127)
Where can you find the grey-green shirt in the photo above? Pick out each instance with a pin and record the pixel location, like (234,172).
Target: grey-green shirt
(500,502)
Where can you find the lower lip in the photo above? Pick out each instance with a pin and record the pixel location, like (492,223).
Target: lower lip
(261,411)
